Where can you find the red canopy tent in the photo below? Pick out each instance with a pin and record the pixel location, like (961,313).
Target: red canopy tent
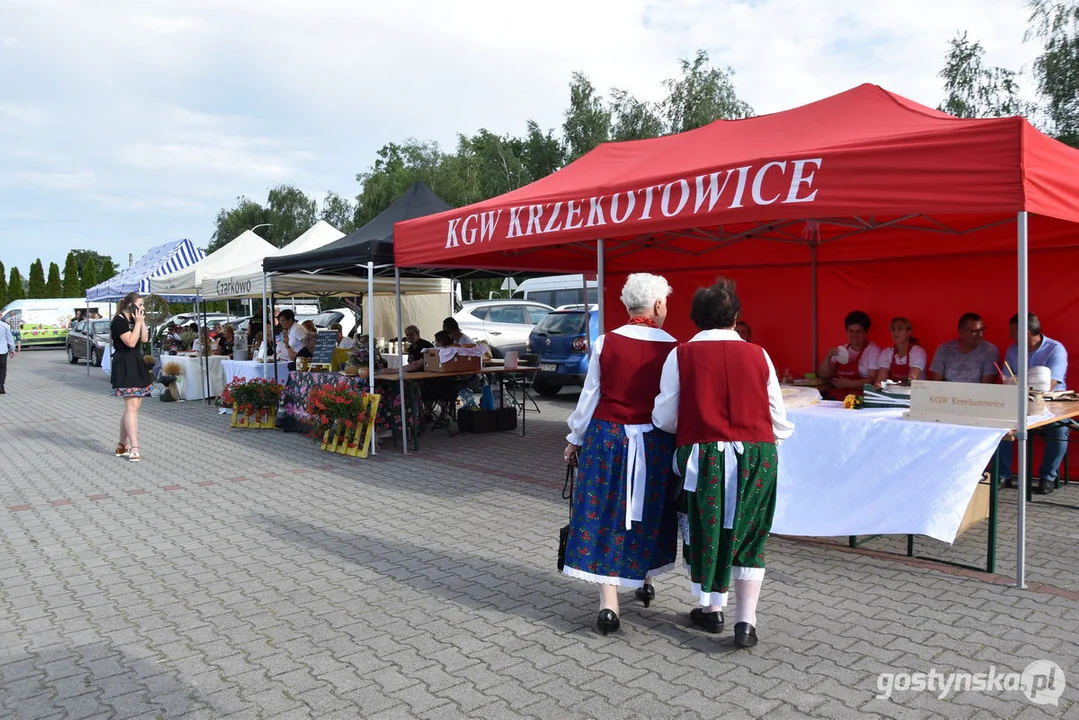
(862,200)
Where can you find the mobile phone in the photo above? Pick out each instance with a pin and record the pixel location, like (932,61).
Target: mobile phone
(132,308)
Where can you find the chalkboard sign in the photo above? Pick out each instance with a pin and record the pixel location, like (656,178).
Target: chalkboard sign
(325,344)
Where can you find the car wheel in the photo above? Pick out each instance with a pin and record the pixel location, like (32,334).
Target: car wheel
(546,388)
(71,355)
(97,358)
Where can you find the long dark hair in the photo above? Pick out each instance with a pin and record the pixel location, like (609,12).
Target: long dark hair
(129,299)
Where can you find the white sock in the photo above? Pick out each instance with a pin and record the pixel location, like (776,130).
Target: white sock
(746,594)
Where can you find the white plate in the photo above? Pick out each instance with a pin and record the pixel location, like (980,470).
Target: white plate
(548,367)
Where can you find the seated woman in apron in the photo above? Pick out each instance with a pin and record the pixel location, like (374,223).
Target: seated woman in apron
(848,367)
(906,360)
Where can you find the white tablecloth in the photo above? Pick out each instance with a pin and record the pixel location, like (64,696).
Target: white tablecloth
(194,384)
(248,369)
(868,472)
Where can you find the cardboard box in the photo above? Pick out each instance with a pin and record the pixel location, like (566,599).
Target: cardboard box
(978,509)
(481,421)
(459,363)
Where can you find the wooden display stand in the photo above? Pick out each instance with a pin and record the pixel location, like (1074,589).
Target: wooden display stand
(357,442)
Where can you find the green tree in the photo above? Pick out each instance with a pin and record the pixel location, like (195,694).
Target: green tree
(72,286)
(1056,70)
(541,152)
(103,265)
(292,213)
(339,212)
(15,288)
(588,119)
(89,275)
(3,285)
(633,119)
(231,223)
(395,169)
(54,288)
(36,286)
(973,90)
(703,94)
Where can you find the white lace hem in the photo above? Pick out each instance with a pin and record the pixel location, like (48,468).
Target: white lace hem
(747,573)
(602,579)
(708,598)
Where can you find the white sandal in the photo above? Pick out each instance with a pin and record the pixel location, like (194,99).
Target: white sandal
(133,455)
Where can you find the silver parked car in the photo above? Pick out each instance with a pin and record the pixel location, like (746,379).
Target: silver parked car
(100,341)
(503,324)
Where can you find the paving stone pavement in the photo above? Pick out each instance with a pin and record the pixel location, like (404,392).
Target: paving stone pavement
(244,573)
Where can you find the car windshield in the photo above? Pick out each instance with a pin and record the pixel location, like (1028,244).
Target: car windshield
(562,323)
(100,327)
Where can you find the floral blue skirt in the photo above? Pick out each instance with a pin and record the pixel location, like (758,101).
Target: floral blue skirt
(600,549)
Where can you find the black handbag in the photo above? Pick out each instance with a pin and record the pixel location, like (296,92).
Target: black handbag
(567,494)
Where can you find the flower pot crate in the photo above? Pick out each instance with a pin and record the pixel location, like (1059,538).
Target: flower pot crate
(255,420)
(353,437)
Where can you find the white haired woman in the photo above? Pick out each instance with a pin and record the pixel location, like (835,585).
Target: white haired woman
(623,530)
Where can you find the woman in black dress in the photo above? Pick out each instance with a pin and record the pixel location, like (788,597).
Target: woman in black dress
(130,378)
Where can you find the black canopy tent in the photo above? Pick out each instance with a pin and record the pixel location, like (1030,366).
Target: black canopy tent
(370,244)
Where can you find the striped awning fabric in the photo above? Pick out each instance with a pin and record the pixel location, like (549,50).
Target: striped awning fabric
(160,260)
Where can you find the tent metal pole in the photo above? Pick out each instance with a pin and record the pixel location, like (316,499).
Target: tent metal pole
(401,365)
(813,303)
(271,338)
(1021,385)
(204,351)
(371,342)
(265,355)
(88,326)
(600,282)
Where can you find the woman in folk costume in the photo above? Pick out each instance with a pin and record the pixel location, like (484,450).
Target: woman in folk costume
(721,397)
(622,531)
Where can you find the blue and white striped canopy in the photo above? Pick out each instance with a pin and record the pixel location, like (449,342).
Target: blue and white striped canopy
(158,261)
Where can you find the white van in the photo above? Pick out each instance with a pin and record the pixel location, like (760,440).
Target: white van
(42,321)
(557,290)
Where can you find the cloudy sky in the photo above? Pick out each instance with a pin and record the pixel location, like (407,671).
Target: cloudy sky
(128,123)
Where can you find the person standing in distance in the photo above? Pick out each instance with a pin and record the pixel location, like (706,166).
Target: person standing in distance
(7,347)
(130,378)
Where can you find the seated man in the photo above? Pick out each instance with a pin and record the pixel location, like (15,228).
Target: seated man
(849,366)
(969,358)
(744,330)
(343,342)
(416,346)
(1044,352)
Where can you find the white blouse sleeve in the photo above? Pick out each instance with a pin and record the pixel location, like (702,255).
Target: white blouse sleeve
(665,409)
(918,357)
(884,360)
(782,427)
(589,399)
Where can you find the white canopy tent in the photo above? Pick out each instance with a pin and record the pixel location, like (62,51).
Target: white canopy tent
(424,304)
(245,249)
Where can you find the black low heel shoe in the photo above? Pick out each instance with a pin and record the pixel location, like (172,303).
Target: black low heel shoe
(711,621)
(745,635)
(646,594)
(607,621)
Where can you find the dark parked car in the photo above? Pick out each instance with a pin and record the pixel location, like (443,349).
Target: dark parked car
(562,342)
(100,341)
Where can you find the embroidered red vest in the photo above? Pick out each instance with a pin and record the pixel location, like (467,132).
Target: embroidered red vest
(629,371)
(723,393)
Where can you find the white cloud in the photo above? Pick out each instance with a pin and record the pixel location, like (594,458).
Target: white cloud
(141,119)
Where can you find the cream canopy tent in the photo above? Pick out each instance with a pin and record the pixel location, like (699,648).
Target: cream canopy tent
(246,248)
